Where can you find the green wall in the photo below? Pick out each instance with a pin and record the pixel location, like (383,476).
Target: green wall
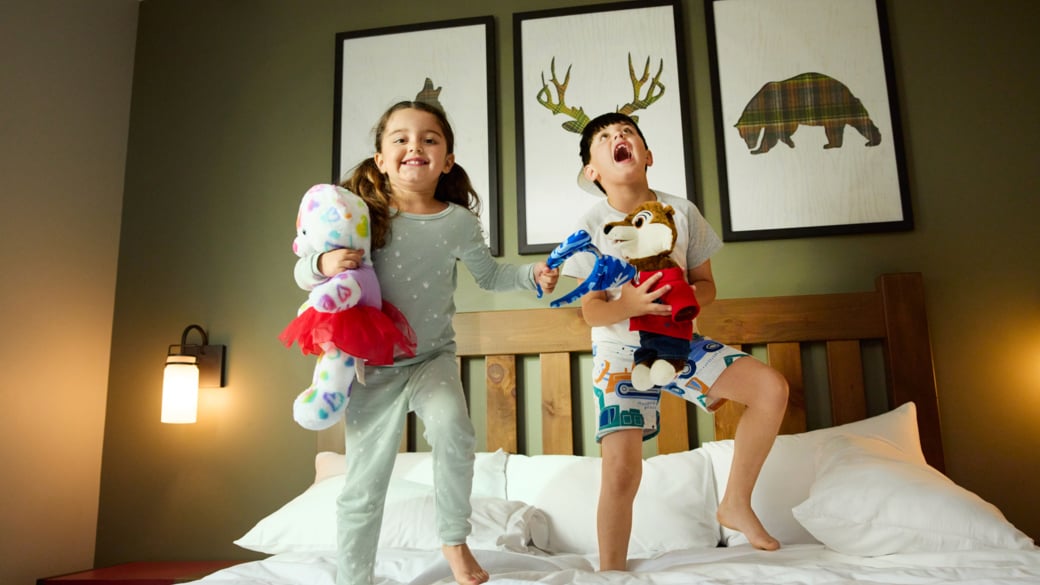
(232,119)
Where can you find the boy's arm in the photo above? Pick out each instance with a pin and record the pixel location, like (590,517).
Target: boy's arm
(703,283)
(599,311)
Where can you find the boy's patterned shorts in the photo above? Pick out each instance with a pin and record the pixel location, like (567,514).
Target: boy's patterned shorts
(623,407)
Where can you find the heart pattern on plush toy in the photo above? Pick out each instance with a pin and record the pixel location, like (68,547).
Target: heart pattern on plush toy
(344,293)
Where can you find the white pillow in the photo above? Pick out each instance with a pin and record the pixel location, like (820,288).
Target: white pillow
(308,521)
(674,508)
(790,469)
(870,498)
(489,470)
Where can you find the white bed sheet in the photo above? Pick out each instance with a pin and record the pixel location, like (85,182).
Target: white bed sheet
(796,564)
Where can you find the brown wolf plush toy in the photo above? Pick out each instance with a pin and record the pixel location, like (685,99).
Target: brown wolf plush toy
(645,238)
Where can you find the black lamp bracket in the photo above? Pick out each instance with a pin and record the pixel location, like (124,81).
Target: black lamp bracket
(210,358)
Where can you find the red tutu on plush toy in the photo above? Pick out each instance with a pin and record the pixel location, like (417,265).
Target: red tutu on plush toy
(376,334)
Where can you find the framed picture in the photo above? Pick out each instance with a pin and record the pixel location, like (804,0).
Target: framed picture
(574,64)
(450,62)
(807,125)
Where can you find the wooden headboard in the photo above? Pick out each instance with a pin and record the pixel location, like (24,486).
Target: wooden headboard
(892,314)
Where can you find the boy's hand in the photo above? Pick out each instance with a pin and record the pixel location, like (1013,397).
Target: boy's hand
(335,261)
(546,278)
(640,300)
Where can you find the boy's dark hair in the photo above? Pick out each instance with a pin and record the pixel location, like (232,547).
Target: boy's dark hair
(600,122)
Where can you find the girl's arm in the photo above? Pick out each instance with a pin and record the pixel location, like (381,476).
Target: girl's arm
(314,269)
(489,273)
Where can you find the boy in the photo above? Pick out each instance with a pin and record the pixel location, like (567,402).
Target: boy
(615,158)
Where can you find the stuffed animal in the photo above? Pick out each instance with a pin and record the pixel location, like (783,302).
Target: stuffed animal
(646,238)
(345,321)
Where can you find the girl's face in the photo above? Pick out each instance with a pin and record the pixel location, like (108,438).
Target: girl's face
(413,152)
(616,152)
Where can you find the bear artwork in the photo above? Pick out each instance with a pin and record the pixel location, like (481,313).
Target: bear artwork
(813,99)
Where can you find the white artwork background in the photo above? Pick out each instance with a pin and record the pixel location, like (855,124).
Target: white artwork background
(381,70)
(759,41)
(596,47)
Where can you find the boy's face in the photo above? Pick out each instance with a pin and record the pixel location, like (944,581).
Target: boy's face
(617,155)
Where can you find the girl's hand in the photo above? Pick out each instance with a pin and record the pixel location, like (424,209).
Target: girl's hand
(333,262)
(545,277)
(640,300)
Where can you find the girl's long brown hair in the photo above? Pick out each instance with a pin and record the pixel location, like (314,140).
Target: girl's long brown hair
(374,187)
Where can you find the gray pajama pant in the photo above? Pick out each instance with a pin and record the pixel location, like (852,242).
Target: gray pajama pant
(374,419)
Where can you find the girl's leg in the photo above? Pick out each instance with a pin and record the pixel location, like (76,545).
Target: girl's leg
(374,419)
(437,398)
(764,393)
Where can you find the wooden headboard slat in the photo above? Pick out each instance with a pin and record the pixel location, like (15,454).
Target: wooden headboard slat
(726,418)
(674,436)
(845,378)
(557,414)
(501,402)
(786,358)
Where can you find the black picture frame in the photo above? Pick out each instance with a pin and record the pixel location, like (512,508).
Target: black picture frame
(823,69)
(458,57)
(596,45)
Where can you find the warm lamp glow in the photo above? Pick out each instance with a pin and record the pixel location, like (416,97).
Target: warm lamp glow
(180,397)
(189,367)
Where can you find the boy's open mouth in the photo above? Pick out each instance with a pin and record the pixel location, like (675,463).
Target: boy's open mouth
(622,152)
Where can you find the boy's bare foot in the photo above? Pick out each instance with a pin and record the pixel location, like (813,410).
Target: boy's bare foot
(464,565)
(744,520)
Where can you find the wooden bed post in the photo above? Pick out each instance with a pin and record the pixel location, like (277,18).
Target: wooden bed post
(907,346)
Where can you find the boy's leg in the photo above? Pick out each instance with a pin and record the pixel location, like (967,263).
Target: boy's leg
(627,417)
(622,470)
(763,391)
(437,398)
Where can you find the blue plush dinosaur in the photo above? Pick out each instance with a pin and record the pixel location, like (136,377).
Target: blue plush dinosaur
(607,272)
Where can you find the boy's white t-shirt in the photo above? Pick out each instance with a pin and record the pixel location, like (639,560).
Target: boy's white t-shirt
(695,243)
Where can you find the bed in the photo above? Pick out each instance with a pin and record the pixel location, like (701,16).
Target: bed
(860,500)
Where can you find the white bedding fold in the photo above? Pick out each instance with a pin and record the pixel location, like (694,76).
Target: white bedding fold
(741,565)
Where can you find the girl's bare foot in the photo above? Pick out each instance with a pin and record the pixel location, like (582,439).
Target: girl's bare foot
(464,566)
(744,520)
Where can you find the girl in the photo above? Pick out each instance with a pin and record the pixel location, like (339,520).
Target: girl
(424,220)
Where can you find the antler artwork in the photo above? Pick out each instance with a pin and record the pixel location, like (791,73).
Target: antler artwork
(640,101)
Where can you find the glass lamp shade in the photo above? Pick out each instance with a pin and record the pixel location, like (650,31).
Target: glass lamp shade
(180,397)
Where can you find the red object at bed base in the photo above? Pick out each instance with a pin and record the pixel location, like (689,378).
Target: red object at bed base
(141,573)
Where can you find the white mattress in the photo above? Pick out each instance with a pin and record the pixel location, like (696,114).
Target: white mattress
(796,564)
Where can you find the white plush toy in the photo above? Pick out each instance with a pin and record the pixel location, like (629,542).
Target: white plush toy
(344,321)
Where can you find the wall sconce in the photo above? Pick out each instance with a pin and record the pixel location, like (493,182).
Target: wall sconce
(189,367)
